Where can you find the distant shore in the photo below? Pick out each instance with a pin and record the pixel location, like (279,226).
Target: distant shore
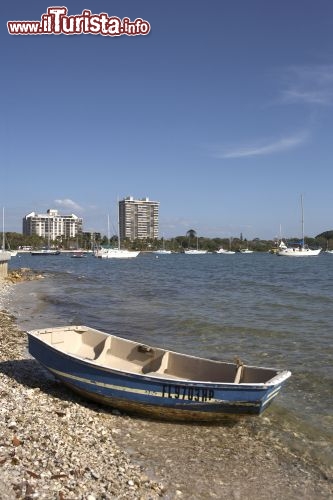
(56,446)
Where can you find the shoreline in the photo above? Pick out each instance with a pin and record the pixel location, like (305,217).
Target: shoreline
(56,445)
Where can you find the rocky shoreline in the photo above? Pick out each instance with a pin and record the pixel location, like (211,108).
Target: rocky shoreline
(52,445)
(55,445)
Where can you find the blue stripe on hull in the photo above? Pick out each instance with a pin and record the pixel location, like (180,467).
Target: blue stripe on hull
(159,397)
(176,412)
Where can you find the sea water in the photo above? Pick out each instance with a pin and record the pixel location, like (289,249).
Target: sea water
(267,310)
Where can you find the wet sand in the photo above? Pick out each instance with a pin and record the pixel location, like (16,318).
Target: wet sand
(55,445)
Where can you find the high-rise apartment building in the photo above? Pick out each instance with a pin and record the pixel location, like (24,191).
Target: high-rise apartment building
(138,219)
(52,225)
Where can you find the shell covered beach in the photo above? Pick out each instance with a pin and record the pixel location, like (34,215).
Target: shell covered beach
(55,445)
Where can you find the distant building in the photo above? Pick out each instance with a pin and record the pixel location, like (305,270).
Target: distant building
(52,225)
(138,219)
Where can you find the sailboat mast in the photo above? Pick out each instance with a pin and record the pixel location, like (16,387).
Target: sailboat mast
(108,229)
(302,220)
(3,228)
(118,213)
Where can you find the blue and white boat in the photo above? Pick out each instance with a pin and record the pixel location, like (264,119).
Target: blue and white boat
(135,377)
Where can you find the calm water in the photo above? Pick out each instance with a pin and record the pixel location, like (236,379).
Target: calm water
(268,310)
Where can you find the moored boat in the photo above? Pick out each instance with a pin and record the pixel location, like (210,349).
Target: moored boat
(45,251)
(150,380)
(300,249)
(222,250)
(225,252)
(6,253)
(78,255)
(195,252)
(116,253)
(162,251)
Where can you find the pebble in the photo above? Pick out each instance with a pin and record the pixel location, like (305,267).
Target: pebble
(52,446)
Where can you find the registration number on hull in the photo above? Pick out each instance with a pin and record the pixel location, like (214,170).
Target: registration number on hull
(187,392)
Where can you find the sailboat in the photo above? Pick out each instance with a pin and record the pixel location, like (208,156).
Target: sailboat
(195,251)
(4,255)
(163,250)
(245,250)
(13,253)
(300,250)
(115,253)
(226,252)
(46,250)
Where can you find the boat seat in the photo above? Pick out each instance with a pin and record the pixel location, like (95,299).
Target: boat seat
(182,367)
(112,361)
(164,363)
(126,356)
(160,372)
(84,344)
(107,345)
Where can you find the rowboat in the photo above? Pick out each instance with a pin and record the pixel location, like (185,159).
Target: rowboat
(138,378)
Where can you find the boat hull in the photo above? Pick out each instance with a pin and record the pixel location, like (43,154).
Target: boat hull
(45,252)
(298,252)
(195,252)
(116,254)
(225,252)
(160,397)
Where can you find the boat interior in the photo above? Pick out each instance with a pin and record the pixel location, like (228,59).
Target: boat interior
(132,357)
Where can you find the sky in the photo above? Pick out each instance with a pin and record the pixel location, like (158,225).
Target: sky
(223,113)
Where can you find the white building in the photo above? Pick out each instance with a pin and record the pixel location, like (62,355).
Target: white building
(52,225)
(138,219)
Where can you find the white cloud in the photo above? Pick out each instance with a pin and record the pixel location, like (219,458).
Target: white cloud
(308,84)
(265,148)
(68,203)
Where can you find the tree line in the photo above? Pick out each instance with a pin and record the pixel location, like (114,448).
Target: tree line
(89,241)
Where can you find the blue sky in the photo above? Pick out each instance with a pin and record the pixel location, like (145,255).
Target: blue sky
(223,113)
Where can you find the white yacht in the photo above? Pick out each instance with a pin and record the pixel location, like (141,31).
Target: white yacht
(300,250)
